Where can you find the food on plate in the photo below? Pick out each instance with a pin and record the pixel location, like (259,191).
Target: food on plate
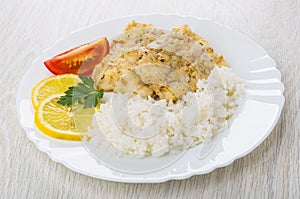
(165,91)
(142,57)
(185,30)
(62,122)
(64,105)
(148,127)
(84,93)
(80,60)
(52,85)
(156,92)
(135,35)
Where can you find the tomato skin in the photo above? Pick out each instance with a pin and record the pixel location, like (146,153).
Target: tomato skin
(80,60)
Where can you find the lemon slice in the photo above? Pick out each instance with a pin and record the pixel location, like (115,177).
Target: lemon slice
(62,122)
(52,85)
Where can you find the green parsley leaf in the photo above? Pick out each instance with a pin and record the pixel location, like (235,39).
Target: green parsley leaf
(83,93)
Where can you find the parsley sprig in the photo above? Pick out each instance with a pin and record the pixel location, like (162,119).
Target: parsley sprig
(83,93)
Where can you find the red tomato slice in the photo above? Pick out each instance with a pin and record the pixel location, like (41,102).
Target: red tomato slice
(80,60)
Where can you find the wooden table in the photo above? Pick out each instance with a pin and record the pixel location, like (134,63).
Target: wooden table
(272,170)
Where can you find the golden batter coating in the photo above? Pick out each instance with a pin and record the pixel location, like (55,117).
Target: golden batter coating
(148,61)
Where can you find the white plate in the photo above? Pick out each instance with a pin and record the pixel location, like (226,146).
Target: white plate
(263,101)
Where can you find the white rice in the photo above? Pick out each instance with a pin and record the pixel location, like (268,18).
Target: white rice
(147,127)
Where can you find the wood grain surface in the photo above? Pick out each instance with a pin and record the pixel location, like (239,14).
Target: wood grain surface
(272,170)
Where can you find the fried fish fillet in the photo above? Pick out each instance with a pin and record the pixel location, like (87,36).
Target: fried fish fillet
(135,35)
(148,61)
(185,30)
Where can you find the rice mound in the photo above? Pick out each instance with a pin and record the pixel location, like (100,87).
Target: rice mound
(149,127)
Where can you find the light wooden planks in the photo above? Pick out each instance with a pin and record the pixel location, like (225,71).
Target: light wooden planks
(270,171)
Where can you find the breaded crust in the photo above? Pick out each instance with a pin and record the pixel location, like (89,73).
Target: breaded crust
(182,54)
(185,30)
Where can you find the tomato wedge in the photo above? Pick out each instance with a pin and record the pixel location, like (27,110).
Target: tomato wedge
(80,60)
